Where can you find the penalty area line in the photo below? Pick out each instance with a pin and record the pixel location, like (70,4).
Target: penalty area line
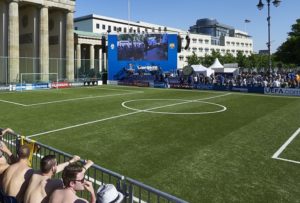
(280,150)
(288,160)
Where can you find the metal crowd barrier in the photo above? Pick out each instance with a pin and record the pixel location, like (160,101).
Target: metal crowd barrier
(133,190)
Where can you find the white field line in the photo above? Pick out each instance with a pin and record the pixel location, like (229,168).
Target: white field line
(15,103)
(82,124)
(280,150)
(80,98)
(184,102)
(67,100)
(288,160)
(118,116)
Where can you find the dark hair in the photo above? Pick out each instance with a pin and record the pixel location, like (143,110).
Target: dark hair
(1,131)
(47,163)
(70,173)
(23,152)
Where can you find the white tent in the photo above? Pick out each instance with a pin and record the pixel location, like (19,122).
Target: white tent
(217,66)
(199,68)
(233,71)
(203,70)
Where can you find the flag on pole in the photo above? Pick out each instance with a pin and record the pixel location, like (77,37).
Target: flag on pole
(247,21)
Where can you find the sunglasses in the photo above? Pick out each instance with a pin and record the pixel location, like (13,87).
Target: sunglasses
(82,180)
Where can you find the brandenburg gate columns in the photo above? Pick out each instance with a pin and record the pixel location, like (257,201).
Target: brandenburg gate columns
(13,41)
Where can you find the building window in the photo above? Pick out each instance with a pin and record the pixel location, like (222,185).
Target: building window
(115,28)
(97,25)
(103,27)
(124,30)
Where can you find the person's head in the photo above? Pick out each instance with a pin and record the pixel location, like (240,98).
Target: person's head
(73,176)
(109,194)
(48,163)
(24,152)
(1,131)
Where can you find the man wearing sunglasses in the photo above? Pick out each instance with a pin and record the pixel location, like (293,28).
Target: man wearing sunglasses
(73,179)
(41,185)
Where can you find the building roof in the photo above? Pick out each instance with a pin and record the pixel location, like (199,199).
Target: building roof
(87,34)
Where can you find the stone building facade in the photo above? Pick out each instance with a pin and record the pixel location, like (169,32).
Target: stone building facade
(37,30)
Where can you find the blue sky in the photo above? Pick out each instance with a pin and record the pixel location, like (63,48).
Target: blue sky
(184,13)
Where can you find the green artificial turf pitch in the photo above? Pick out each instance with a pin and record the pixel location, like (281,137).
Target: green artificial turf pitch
(201,146)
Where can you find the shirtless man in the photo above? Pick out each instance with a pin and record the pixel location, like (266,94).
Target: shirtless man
(41,185)
(73,178)
(16,177)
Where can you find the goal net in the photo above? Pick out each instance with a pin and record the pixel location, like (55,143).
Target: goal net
(37,80)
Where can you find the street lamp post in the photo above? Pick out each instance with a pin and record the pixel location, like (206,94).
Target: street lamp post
(260,6)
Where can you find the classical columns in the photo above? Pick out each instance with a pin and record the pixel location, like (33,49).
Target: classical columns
(104,62)
(100,60)
(92,57)
(70,47)
(13,41)
(44,43)
(78,56)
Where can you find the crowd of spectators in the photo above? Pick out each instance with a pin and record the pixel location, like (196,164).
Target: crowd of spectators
(281,79)
(20,183)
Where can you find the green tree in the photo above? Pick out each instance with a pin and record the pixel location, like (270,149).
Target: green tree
(228,58)
(289,51)
(193,59)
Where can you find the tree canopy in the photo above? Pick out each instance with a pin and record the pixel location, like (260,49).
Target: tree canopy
(289,51)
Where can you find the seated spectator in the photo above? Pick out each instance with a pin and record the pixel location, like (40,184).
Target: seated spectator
(16,177)
(108,194)
(41,185)
(73,178)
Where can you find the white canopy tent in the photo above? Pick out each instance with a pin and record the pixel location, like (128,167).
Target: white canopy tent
(203,70)
(217,66)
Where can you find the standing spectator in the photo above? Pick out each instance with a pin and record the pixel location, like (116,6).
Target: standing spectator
(16,177)
(73,178)
(41,185)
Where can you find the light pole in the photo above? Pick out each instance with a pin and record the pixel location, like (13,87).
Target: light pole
(260,6)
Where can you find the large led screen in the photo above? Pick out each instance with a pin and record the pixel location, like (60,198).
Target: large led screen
(151,47)
(136,52)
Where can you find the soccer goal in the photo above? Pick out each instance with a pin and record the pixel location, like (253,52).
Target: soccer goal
(38,80)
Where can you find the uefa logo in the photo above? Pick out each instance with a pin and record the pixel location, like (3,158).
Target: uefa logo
(112,46)
(172,45)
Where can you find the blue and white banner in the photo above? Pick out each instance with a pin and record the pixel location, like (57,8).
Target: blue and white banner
(282,91)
